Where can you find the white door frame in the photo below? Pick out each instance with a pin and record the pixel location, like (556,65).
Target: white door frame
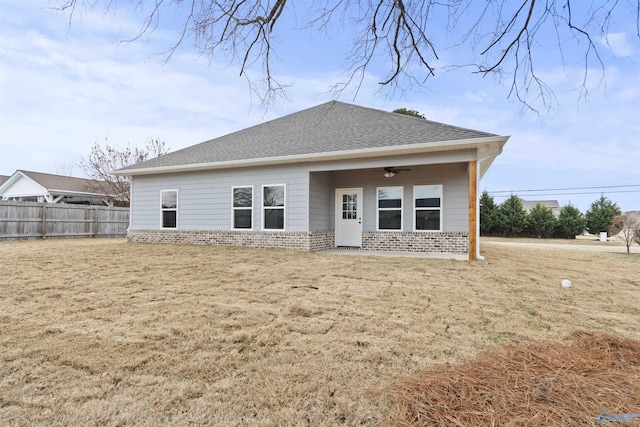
(348,231)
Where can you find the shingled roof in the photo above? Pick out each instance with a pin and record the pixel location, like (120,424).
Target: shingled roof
(327,128)
(63,183)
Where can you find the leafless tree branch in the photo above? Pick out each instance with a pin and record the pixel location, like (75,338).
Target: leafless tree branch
(106,158)
(392,37)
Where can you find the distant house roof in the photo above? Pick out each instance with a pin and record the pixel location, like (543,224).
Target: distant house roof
(32,184)
(63,183)
(330,129)
(3,178)
(551,204)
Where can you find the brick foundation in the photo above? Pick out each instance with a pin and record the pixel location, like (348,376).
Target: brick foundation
(436,242)
(308,241)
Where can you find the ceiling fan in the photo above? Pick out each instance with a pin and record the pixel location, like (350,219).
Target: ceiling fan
(391,171)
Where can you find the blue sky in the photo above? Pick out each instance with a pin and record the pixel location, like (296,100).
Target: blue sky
(64,88)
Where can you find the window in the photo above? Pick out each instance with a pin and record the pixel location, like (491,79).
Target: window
(242,208)
(169,208)
(428,207)
(390,208)
(350,206)
(273,207)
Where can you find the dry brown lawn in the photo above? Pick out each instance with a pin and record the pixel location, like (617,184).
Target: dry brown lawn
(102,332)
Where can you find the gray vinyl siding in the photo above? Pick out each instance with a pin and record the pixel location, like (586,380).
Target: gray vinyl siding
(204,198)
(320,202)
(453,178)
(297,206)
(455,210)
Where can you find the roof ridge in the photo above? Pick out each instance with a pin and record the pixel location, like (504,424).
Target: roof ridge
(54,174)
(407,116)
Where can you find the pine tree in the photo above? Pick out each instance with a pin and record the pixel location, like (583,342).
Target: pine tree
(511,216)
(600,215)
(488,214)
(541,221)
(408,112)
(571,222)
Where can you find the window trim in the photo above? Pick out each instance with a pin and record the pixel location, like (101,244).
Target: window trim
(284,208)
(233,208)
(401,209)
(416,209)
(162,210)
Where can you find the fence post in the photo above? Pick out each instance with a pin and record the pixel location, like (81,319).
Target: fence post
(95,222)
(44,220)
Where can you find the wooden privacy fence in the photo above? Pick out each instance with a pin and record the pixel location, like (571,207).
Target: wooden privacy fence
(31,220)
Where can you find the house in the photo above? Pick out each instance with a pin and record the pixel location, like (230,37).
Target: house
(335,175)
(44,187)
(551,204)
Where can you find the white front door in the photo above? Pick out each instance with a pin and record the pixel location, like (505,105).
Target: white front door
(349,217)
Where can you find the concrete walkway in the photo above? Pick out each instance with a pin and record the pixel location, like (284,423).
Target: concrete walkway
(360,252)
(635,249)
(587,246)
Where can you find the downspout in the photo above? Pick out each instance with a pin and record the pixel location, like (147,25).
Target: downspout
(130,206)
(478,256)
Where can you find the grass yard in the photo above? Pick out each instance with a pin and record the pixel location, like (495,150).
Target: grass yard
(101,332)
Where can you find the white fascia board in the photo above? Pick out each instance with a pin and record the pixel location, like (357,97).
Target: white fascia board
(9,182)
(485,161)
(319,157)
(15,177)
(5,184)
(78,193)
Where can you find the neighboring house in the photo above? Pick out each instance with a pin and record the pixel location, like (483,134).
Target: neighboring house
(44,187)
(335,175)
(551,204)
(3,178)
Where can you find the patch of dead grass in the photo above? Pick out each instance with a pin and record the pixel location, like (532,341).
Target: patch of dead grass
(105,332)
(548,383)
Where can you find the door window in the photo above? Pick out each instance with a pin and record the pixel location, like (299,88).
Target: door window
(349,206)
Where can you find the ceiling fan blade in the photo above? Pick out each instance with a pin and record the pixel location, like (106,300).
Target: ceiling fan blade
(396,170)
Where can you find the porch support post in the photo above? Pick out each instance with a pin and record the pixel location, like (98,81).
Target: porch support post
(473,203)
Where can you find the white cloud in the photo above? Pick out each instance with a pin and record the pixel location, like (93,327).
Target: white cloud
(618,44)
(62,91)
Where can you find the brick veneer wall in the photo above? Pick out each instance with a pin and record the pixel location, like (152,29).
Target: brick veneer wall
(436,242)
(432,242)
(309,241)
